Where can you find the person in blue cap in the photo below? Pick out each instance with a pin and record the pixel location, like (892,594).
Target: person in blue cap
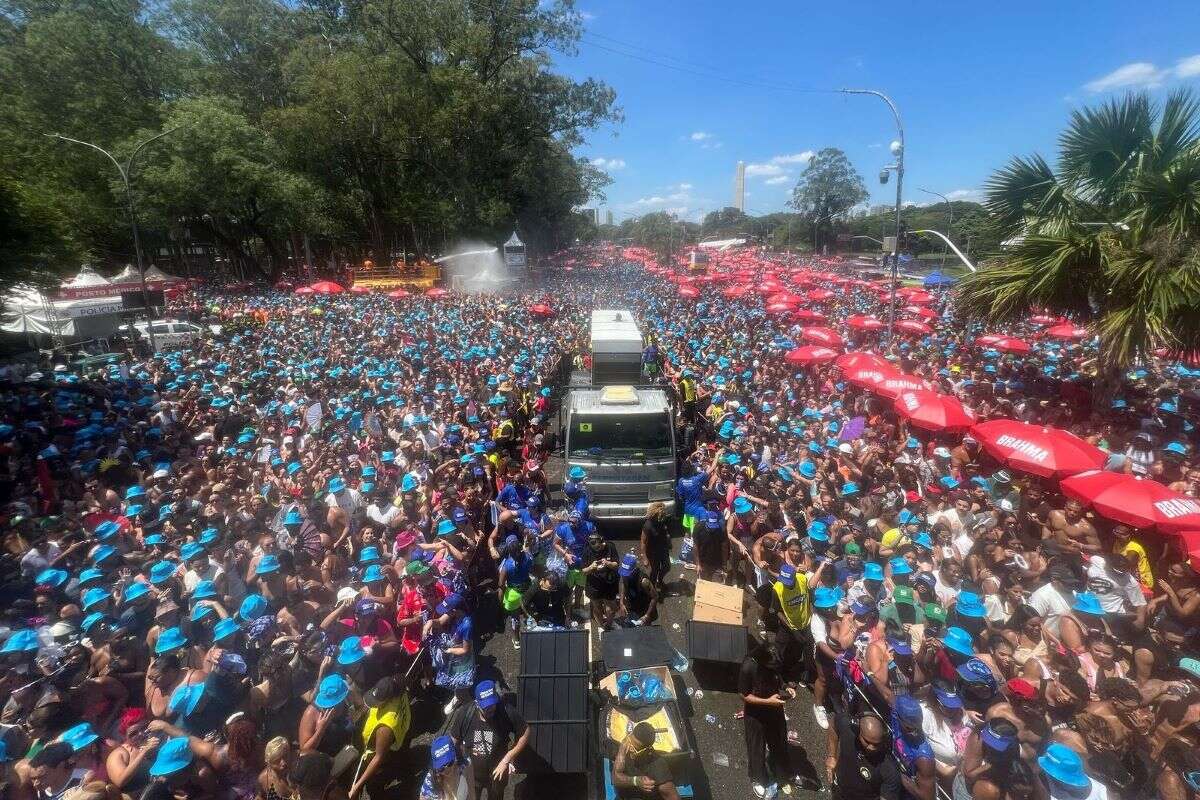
(515,577)
(449,632)
(492,735)
(449,776)
(637,596)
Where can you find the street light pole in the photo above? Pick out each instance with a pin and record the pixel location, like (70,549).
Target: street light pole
(899,153)
(126,173)
(950,208)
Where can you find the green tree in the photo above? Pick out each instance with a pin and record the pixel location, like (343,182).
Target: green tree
(828,188)
(725,223)
(1110,237)
(220,173)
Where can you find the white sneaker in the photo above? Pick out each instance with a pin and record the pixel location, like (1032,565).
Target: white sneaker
(822,717)
(786,789)
(449,707)
(759,790)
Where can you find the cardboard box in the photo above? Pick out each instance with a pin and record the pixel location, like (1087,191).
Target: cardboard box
(716,602)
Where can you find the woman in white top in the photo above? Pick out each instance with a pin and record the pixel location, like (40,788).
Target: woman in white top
(945,728)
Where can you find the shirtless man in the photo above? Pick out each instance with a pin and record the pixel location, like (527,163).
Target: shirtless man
(1073,531)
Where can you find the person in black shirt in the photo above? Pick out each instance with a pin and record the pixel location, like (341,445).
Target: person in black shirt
(638,597)
(491,733)
(763,698)
(863,766)
(656,545)
(546,601)
(638,771)
(600,568)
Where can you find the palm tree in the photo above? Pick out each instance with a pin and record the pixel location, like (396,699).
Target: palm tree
(1111,237)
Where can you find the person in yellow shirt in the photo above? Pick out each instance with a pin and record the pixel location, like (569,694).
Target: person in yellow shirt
(1126,545)
(793,611)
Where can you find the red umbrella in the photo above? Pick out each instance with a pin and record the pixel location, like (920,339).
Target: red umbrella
(1008,344)
(987,340)
(733,292)
(541,310)
(1043,319)
(326,287)
(807,315)
(304,290)
(689,291)
(924,313)
(864,323)
(436,291)
(1067,331)
(913,326)
(356,289)
(780,308)
(767,288)
(920,297)
(869,377)
(820,295)
(786,297)
(824,336)
(1049,452)
(933,411)
(397,294)
(860,360)
(810,354)
(893,385)
(1140,502)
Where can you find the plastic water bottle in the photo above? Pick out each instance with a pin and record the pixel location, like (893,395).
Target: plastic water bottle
(710,719)
(720,759)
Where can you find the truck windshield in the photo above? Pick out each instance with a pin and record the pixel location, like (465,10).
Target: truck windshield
(620,435)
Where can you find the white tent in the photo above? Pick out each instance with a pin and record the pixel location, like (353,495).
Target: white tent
(27,310)
(86,278)
(153,274)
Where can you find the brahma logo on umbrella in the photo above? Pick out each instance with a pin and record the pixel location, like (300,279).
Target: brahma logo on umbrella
(1024,447)
(911,402)
(1177,508)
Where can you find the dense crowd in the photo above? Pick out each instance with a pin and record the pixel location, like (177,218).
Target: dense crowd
(242,569)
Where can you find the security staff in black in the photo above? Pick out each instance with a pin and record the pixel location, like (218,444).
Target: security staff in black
(863,766)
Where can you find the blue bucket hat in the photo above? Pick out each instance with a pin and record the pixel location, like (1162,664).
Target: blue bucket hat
(90,620)
(168,640)
(204,590)
(51,577)
(446,527)
(900,566)
(373,573)
(173,756)
(969,605)
(408,483)
(191,550)
(79,736)
(368,555)
(1088,603)
(332,691)
(975,671)
(94,597)
(577,473)
(267,564)
(106,530)
(827,597)
(102,553)
(90,574)
(351,651)
(872,571)
(336,484)
(209,535)
(742,506)
(293,518)
(958,640)
(135,590)
(162,571)
(22,641)
(849,489)
(1064,765)
(253,607)
(225,628)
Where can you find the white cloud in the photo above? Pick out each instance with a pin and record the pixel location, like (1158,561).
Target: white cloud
(700,136)
(774,168)
(1145,75)
(1188,67)
(763,170)
(778,179)
(1138,75)
(964,194)
(683,187)
(610,164)
(586,16)
(656,200)
(794,158)
(875,146)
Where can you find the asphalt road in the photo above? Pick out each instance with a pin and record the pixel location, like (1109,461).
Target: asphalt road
(719,768)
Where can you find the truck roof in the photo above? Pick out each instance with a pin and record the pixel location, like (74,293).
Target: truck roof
(590,401)
(615,331)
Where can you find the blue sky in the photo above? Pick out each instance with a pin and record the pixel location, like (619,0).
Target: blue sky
(975,84)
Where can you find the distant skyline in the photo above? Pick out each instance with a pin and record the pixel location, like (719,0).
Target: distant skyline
(706,84)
